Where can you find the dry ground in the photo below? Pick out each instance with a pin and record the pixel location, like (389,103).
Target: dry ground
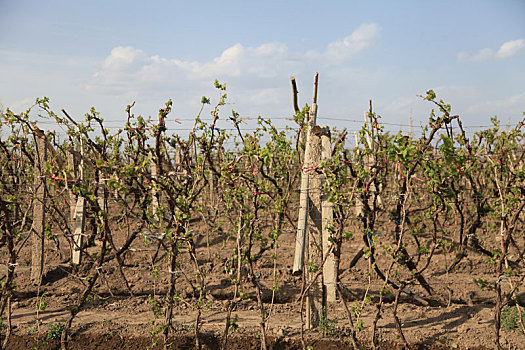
(115,320)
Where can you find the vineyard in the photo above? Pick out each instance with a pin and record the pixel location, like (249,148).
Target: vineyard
(297,237)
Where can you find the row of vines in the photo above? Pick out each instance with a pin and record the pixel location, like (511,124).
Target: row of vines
(182,198)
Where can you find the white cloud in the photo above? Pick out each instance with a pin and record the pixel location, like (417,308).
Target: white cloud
(128,68)
(123,58)
(509,107)
(401,106)
(265,61)
(261,71)
(266,96)
(473,107)
(454,91)
(342,50)
(21,105)
(131,71)
(508,49)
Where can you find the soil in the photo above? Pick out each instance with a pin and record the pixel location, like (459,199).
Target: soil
(462,316)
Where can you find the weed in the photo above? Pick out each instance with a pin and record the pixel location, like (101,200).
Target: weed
(234,325)
(157,310)
(510,318)
(42,303)
(327,325)
(481,283)
(55,331)
(154,333)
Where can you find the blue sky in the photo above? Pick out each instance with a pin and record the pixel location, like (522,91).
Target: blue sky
(109,53)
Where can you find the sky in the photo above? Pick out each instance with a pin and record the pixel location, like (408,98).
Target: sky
(108,54)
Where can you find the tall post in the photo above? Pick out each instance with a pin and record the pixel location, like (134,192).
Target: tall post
(80,216)
(156,166)
(102,192)
(154,206)
(370,159)
(315,300)
(39,215)
(358,202)
(300,238)
(72,162)
(309,239)
(294,94)
(330,266)
(212,189)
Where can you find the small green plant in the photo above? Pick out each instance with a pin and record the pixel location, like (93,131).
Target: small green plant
(157,310)
(55,331)
(481,283)
(312,268)
(327,325)
(39,345)
(234,325)
(154,333)
(155,273)
(510,318)
(42,303)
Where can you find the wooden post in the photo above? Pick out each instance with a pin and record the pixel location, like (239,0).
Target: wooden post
(102,196)
(178,165)
(39,214)
(358,202)
(78,232)
(370,159)
(154,205)
(72,162)
(308,241)
(370,130)
(303,209)
(294,94)
(102,192)
(330,267)
(80,216)
(157,165)
(179,159)
(300,236)
(212,189)
(315,299)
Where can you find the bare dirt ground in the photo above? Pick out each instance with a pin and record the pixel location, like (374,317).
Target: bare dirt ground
(113,319)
